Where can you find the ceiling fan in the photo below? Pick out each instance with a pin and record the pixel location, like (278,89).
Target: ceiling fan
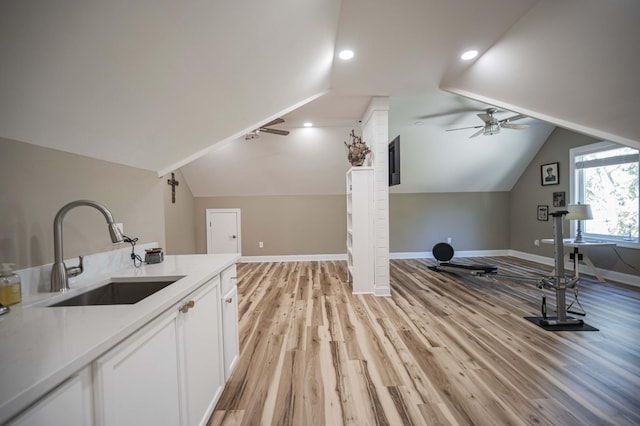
(492,125)
(256,133)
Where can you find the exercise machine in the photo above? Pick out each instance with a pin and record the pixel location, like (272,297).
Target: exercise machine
(443,253)
(560,283)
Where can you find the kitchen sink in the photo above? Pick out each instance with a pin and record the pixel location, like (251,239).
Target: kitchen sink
(117,293)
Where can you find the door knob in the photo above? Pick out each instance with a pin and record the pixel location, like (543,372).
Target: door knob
(233,236)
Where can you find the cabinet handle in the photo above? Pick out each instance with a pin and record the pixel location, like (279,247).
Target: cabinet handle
(185,308)
(229,299)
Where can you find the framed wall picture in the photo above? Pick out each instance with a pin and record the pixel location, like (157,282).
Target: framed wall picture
(543,212)
(559,199)
(549,174)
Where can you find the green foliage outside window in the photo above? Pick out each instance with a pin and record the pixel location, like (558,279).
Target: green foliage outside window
(609,182)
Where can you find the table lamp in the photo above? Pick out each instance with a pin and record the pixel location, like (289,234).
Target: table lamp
(579,212)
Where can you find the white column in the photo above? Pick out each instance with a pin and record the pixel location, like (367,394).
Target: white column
(375,132)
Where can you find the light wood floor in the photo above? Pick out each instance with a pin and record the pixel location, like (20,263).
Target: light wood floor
(444,349)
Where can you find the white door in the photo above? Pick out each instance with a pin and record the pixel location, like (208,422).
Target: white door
(138,381)
(223,231)
(201,334)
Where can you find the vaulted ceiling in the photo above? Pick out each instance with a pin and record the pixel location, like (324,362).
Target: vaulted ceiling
(158,84)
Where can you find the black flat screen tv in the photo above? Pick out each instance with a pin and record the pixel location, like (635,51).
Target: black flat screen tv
(394,161)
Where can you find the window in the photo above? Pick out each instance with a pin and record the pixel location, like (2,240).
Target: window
(605,176)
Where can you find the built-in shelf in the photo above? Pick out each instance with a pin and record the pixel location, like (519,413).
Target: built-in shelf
(360,230)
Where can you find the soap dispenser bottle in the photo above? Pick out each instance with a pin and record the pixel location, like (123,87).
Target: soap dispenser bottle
(10,288)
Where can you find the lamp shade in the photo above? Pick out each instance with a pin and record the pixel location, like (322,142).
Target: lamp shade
(579,212)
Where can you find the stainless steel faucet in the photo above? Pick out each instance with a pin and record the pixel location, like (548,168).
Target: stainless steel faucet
(59,271)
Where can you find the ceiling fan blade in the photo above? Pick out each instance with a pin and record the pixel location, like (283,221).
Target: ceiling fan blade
(485,117)
(443,114)
(514,118)
(274,122)
(274,131)
(478,133)
(464,128)
(514,126)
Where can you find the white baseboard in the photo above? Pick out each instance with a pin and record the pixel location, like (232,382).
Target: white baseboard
(532,257)
(627,279)
(293,258)
(411,255)
(382,292)
(429,255)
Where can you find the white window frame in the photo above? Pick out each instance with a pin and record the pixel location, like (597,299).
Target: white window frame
(574,193)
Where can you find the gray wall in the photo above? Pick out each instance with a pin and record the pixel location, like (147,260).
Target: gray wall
(291,225)
(473,220)
(36,182)
(288,225)
(178,217)
(528,193)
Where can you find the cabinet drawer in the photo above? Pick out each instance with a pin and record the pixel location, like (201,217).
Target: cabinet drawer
(228,278)
(69,404)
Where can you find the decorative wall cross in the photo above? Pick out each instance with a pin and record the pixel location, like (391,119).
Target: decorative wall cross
(173,182)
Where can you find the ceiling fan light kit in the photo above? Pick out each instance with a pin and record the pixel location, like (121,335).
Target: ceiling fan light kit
(491,129)
(492,125)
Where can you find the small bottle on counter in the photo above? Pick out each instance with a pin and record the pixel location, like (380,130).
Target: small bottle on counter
(10,287)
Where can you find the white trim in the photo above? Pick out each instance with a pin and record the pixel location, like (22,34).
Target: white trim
(608,275)
(429,255)
(532,257)
(628,244)
(576,187)
(382,292)
(293,258)
(411,255)
(618,277)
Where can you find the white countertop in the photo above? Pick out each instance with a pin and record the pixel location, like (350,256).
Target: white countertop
(42,346)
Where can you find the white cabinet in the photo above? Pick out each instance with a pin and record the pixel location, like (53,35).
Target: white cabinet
(360,229)
(229,308)
(138,381)
(169,373)
(200,338)
(70,404)
(159,362)
(231,339)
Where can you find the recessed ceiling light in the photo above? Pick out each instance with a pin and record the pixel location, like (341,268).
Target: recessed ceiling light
(469,54)
(346,54)
(308,124)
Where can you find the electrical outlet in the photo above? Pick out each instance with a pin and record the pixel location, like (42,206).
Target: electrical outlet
(261,244)
(448,240)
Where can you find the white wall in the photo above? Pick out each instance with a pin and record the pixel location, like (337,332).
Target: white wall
(571,63)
